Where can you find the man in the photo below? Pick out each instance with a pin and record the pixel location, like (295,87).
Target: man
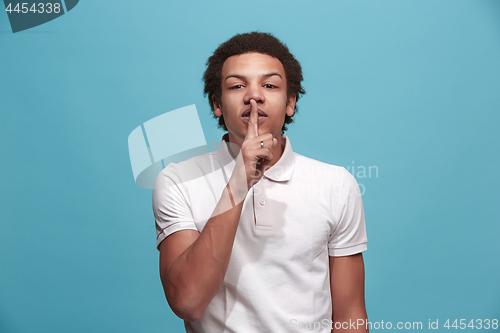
(271,241)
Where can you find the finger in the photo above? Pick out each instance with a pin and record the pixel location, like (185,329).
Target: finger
(262,152)
(253,121)
(267,139)
(267,159)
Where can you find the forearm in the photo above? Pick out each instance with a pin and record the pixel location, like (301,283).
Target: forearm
(197,274)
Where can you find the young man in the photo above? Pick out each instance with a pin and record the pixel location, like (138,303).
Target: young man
(271,241)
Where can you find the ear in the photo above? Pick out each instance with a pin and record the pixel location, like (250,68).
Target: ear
(217,106)
(290,106)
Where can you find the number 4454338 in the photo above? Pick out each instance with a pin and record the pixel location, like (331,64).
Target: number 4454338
(35,8)
(477,324)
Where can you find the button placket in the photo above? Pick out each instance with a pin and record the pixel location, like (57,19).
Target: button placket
(263,218)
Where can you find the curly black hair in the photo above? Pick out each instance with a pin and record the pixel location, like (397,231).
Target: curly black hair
(259,42)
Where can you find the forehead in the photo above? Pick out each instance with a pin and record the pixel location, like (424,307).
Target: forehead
(249,64)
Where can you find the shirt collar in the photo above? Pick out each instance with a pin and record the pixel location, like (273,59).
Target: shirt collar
(280,171)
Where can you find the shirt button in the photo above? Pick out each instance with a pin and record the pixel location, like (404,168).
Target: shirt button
(262,202)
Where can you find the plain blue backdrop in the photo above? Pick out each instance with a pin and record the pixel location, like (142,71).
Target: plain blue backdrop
(409,87)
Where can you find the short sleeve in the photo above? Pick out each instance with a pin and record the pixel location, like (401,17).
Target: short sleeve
(170,207)
(349,234)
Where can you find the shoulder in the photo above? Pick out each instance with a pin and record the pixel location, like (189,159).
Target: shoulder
(317,169)
(195,161)
(331,178)
(189,169)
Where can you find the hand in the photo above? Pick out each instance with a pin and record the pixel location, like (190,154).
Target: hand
(252,158)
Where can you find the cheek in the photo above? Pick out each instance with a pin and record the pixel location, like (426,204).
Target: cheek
(227,102)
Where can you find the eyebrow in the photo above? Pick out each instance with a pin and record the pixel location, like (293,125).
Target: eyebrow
(244,77)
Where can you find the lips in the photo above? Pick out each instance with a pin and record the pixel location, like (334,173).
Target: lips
(246,114)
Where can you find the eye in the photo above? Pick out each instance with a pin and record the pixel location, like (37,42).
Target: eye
(237,86)
(269,86)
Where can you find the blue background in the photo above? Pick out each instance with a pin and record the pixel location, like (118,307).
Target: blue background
(411,87)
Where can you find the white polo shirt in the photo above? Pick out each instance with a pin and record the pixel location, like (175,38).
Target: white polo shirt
(298,214)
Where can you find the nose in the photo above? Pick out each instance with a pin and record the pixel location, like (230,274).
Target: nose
(254,91)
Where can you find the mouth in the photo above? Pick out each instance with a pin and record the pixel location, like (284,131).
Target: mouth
(245,116)
(260,121)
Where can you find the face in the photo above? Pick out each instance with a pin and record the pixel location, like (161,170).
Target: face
(253,76)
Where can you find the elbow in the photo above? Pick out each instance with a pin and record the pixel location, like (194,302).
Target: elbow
(186,311)
(351,312)
(190,315)
(184,305)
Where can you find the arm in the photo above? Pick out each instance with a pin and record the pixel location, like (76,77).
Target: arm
(192,264)
(347,285)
